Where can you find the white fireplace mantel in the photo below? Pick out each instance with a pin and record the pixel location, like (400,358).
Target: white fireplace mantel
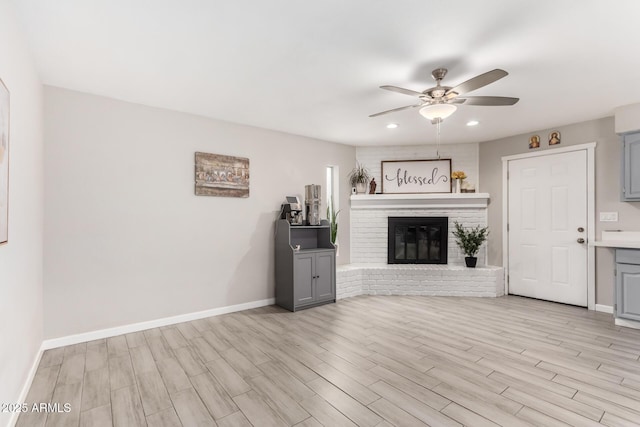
(438,201)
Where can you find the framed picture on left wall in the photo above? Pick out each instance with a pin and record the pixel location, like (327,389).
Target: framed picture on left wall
(4,163)
(220,175)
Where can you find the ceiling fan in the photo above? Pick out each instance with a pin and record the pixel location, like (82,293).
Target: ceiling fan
(438,102)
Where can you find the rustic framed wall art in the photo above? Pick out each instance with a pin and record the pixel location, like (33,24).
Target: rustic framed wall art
(220,175)
(416,176)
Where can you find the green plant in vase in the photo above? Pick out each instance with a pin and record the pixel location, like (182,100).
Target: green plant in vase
(359,177)
(470,240)
(332,216)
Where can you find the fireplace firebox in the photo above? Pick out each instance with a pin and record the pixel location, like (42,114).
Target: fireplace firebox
(418,240)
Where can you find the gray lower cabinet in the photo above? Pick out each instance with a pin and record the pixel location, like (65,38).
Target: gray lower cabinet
(325,276)
(631,167)
(627,284)
(305,266)
(313,277)
(303,278)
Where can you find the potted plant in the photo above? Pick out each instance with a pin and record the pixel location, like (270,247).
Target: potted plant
(359,177)
(470,240)
(332,216)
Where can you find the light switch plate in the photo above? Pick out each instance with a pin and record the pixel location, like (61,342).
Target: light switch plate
(608,216)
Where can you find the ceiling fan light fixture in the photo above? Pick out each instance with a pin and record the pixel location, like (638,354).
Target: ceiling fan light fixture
(438,111)
(473,123)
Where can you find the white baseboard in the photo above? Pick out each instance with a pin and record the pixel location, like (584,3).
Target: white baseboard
(355,294)
(27,385)
(627,323)
(135,327)
(604,308)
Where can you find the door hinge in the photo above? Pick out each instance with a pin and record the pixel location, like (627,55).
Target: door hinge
(507,278)
(507,174)
(507,226)
(615,271)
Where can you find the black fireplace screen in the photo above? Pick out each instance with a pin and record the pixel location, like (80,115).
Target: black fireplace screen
(418,240)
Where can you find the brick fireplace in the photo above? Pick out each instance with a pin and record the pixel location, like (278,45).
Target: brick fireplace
(370,213)
(370,272)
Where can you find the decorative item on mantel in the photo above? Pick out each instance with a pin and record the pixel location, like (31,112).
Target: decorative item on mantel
(458,177)
(470,240)
(416,176)
(467,187)
(372,186)
(359,178)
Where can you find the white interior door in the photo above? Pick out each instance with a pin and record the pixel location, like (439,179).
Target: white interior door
(547,227)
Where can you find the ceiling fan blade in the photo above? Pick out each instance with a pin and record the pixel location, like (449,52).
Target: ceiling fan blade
(395,109)
(476,83)
(488,100)
(401,90)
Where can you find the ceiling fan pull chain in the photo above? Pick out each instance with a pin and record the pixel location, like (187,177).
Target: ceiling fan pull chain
(438,138)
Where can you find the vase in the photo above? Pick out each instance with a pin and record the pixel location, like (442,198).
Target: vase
(458,185)
(361,187)
(470,261)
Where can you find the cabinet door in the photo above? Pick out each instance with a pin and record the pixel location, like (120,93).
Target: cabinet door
(325,268)
(628,291)
(631,167)
(303,268)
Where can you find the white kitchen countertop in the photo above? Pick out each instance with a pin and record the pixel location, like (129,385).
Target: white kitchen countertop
(616,244)
(619,239)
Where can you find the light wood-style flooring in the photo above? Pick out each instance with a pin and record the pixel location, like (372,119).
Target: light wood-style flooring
(366,361)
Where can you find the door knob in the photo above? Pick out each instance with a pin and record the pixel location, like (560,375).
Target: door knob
(580,230)
(580,240)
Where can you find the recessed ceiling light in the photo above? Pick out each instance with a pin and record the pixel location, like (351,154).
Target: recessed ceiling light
(473,123)
(392,125)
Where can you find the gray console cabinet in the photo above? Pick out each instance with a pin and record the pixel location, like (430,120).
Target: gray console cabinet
(305,277)
(631,167)
(627,284)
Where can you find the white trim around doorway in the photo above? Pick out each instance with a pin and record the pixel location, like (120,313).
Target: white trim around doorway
(591,232)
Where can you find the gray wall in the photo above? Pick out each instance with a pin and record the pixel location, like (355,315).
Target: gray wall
(607,161)
(127,241)
(21,258)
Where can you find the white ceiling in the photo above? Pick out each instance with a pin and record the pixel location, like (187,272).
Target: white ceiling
(313,67)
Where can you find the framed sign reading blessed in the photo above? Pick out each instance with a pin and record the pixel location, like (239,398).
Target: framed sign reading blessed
(416,176)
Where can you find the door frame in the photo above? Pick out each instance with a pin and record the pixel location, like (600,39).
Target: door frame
(591,232)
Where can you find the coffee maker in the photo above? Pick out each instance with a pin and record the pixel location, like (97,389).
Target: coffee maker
(292,210)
